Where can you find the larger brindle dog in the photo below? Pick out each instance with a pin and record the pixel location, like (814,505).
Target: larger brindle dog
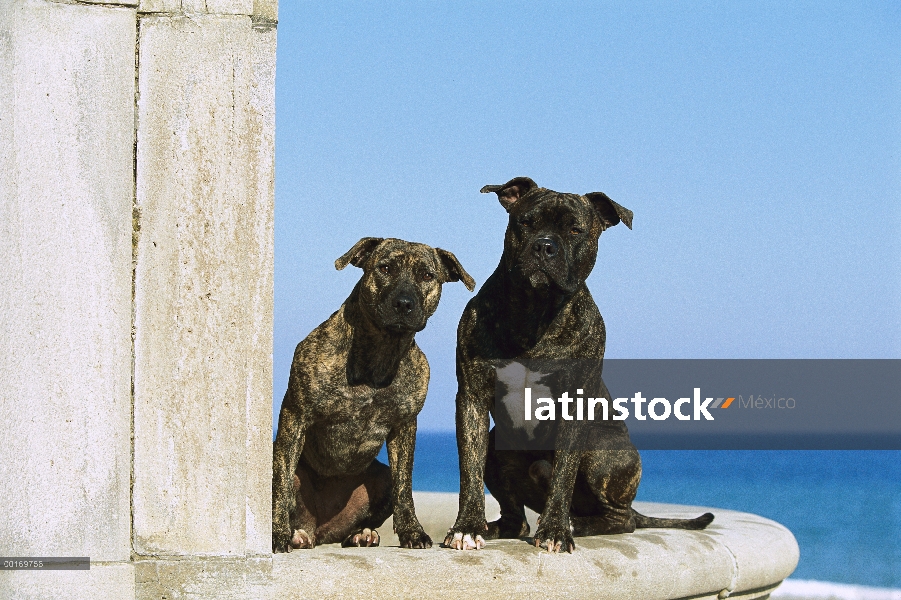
(536,306)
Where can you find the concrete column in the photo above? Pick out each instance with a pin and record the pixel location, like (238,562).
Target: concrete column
(136,295)
(261,137)
(203,299)
(67,78)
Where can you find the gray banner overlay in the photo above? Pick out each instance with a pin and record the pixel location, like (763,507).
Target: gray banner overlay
(699,404)
(45,563)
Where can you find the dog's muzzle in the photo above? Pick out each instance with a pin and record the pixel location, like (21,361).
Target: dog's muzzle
(404,304)
(544,248)
(542,262)
(403,312)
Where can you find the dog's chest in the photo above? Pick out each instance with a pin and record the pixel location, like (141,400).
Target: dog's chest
(363,404)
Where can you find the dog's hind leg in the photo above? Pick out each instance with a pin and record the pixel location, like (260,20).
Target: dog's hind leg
(348,509)
(607,524)
(606,486)
(377,486)
(613,477)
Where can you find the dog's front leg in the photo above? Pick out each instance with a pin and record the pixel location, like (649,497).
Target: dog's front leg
(472,445)
(401,444)
(554,531)
(286,451)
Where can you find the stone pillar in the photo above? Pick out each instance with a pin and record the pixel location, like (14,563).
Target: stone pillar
(67,78)
(203,298)
(136,206)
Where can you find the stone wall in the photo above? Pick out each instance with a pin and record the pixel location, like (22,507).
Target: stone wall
(136,204)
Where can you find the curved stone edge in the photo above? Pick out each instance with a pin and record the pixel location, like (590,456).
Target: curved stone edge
(763,551)
(738,556)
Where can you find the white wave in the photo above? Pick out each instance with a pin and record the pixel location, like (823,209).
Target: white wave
(802,589)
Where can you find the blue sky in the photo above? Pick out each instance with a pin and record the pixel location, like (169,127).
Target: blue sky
(757,144)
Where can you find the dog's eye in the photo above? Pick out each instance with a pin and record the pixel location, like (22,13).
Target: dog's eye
(527,223)
(575,231)
(428,276)
(384,269)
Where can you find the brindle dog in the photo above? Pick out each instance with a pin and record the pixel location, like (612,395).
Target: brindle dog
(536,306)
(358,380)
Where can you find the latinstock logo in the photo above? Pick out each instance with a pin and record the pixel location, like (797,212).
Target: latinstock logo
(695,404)
(658,409)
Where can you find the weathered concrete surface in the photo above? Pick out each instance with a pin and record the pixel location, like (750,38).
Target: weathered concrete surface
(66,139)
(115,2)
(101,582)
(202,306)
(649,564)
(261,141)
(204,579)
(212,7)
(203,287)
(266,10)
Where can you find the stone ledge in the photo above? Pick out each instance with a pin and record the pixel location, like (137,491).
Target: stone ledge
(222,578)
(738,556)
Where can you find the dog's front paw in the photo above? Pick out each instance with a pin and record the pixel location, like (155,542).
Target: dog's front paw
(281,539)
(554,535)
(414,537)
(364,537)
(466,536)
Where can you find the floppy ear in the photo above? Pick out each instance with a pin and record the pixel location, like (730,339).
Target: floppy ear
(610,212)
(511,191)
(454,269)
(359,253)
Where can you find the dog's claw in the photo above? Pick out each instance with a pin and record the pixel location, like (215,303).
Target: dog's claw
(555,539)
(301,539)
(417,539)
(460,541)
(467,535)
(367,538)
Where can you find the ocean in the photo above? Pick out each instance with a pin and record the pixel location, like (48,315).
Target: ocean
(844,507)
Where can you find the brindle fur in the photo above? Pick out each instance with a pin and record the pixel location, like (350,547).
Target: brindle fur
(536,306)
(358,380)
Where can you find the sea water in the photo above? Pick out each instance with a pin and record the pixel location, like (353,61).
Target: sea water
(844,507)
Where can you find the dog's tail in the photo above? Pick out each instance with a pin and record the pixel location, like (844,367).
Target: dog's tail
(642,521)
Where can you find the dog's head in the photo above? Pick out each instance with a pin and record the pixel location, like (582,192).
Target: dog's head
(401,282)
(552,238)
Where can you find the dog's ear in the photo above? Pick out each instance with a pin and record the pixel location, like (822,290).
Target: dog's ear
(610,212)
(511,191)
(357,255)
(454,269)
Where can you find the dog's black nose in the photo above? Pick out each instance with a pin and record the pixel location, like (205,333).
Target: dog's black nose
(545,247)
(403,304)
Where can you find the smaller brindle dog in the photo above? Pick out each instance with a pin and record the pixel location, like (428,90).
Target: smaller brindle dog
(359,380)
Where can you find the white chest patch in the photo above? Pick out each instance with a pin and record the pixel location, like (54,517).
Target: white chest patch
(513,379)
